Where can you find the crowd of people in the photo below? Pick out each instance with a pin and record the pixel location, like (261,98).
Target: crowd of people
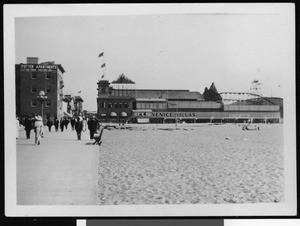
(78,124)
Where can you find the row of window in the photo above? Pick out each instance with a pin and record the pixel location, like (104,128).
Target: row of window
(34,89)
(47,103)
(47,75)
(113,105)
(143,105)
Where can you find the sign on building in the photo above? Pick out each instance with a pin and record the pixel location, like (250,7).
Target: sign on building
(37,68)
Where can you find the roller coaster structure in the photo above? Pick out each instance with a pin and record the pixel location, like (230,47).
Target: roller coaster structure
(243,98)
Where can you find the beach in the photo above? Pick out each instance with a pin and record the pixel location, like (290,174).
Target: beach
(193,164)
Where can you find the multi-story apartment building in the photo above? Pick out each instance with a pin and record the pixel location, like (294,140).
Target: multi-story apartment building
(31,79)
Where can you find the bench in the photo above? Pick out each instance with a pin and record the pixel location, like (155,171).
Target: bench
(97,138)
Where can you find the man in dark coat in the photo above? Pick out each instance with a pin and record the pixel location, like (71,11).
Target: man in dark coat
(28,126)
(92,126)
(79,127)
(73,123)
(49,124)
(66,122)
(56,123)
(61,124)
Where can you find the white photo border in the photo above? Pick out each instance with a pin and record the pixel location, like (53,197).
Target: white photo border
(11,11)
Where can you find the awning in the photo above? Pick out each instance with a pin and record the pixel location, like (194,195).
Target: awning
(113,114)
(124,114)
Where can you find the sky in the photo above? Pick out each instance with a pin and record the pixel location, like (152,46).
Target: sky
(180,51)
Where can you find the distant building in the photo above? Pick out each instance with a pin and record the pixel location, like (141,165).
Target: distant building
(78,106)
(31,78)
(72,106)
(115,104)
(87,114)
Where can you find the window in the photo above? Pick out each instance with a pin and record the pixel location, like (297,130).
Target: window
(110,105)
(33,103)
(47,103)
(48,89)
(125,105)
(48,75)
(116,105)
(103,90)
(33,89)
(102,104)
(120,105)
(61,84)
(33,75)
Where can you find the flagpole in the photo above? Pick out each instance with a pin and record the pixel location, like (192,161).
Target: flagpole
(102,65)
(104,68)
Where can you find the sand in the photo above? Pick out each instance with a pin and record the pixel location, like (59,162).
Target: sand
(196,164)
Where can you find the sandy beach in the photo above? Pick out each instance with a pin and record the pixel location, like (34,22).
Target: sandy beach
(195,164)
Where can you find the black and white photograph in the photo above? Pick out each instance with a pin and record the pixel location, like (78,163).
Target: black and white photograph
(150,109)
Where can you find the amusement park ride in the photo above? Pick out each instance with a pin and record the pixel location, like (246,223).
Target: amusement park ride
(254,95)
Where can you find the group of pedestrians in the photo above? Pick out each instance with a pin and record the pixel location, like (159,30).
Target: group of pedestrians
(62,124)
(32,123)
(79,124)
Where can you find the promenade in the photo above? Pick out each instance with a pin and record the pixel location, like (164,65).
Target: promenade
(60,171)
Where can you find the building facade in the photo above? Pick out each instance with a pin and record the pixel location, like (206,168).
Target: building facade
(72,106)
(113,106)
(169,106)
(31,79)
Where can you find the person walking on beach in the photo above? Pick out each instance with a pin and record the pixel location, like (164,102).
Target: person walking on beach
(17,127)
(79,127)
(56,123)
(28,126)
(92,126)
(61,124)
(49,124)
(38,128)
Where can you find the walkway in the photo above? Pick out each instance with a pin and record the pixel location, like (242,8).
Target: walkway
(60,171)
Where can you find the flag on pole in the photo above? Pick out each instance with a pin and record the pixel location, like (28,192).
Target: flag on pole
(103,65)
(101,54)
(102,76)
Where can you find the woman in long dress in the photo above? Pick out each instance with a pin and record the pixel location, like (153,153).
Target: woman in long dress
(38,125)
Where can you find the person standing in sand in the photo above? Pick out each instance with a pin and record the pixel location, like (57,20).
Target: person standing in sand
(38,127)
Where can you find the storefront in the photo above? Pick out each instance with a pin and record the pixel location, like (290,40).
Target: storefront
(145,116)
